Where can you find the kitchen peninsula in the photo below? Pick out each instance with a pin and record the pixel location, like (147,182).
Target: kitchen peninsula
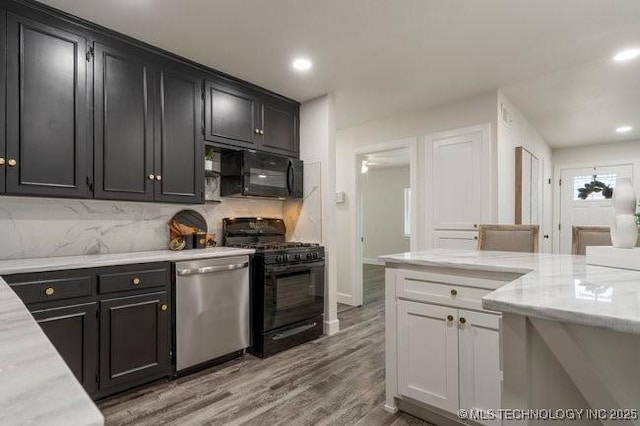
(482,330)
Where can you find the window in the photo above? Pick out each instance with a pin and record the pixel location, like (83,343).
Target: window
(407,212)
(587,181)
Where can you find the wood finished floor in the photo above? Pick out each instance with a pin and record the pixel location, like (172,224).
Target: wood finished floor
(335,380)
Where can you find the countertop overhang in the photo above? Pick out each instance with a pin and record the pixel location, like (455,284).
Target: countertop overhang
(552,287)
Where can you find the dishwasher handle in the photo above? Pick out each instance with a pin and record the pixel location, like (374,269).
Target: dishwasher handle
(212,269)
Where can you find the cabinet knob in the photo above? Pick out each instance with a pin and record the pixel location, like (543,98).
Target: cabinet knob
(136,281)
(454,292)
(257,131)
(475,238)
(49,291)
(262,132)
(1,161)
(449,318)
(164,307)
(475,225)
(158,177)
(463,320)
(12,162)
(152,176)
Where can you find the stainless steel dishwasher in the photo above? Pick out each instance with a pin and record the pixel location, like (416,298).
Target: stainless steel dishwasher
(212,309)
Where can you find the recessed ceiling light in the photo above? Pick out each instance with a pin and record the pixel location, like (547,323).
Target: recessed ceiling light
(626,55)
(624,129)
(302,64)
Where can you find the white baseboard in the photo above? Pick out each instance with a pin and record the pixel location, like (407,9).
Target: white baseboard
(372,261)
(331,327)
(346,299)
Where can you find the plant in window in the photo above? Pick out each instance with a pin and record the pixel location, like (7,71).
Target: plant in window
(595,186)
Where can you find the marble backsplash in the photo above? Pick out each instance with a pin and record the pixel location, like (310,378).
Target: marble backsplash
(44,227)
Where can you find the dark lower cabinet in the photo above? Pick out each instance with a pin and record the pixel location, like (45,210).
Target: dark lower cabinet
(111,325)
(134,344)
(47,110)
(73,330)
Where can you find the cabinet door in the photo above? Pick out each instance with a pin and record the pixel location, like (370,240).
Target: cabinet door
(47,111)
(480,370)
(123,125)
(73,331)
(179,147)
(134,341)
(460,182)
(428,354)
(230,114)
(3,76)
(279,128)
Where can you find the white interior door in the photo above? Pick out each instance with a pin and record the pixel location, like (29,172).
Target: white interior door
(595,210)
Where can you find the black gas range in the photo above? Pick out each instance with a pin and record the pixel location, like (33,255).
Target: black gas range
(288,281)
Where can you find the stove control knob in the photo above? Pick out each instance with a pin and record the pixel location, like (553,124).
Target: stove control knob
(316,255)
(297,257)
(309,256)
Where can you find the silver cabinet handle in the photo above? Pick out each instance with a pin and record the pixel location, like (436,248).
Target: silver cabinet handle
(210,269)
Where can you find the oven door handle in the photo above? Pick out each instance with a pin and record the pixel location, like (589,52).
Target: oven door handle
(297,267)
(294,331)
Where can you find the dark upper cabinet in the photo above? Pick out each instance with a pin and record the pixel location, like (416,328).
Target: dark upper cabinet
(3,76)
(134,340)
(123,125)
(179,144)
(242,117)
(279,130)
(73,331)
(231,114)
(47,112)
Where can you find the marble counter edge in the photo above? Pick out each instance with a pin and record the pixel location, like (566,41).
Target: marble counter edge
(457,265)
(21,266)
(30,366)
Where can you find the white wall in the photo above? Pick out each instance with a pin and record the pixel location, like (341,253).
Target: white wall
(520,132)
(382,192)
(318,145)
(476,110)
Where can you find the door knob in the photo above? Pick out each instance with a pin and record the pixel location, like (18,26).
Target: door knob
(12,162)
(152,176)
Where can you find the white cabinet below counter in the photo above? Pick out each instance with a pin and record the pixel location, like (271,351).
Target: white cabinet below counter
(442,347)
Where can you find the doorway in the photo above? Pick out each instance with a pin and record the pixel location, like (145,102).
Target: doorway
(385,211)
(583,207)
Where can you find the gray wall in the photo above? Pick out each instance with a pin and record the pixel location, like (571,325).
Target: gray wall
(382,192)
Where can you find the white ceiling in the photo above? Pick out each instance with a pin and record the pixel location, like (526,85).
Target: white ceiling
(584,104)
(379,57)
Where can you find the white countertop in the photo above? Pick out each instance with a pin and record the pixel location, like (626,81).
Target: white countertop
(36,386)
(19,266)
(554,287)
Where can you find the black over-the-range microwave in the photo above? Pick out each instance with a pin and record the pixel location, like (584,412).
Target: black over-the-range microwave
(259,174)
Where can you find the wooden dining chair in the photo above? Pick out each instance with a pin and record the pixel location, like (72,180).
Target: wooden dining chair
(521,238)
(583,236)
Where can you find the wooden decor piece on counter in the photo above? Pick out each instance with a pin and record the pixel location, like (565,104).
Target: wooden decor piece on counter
(187,230)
